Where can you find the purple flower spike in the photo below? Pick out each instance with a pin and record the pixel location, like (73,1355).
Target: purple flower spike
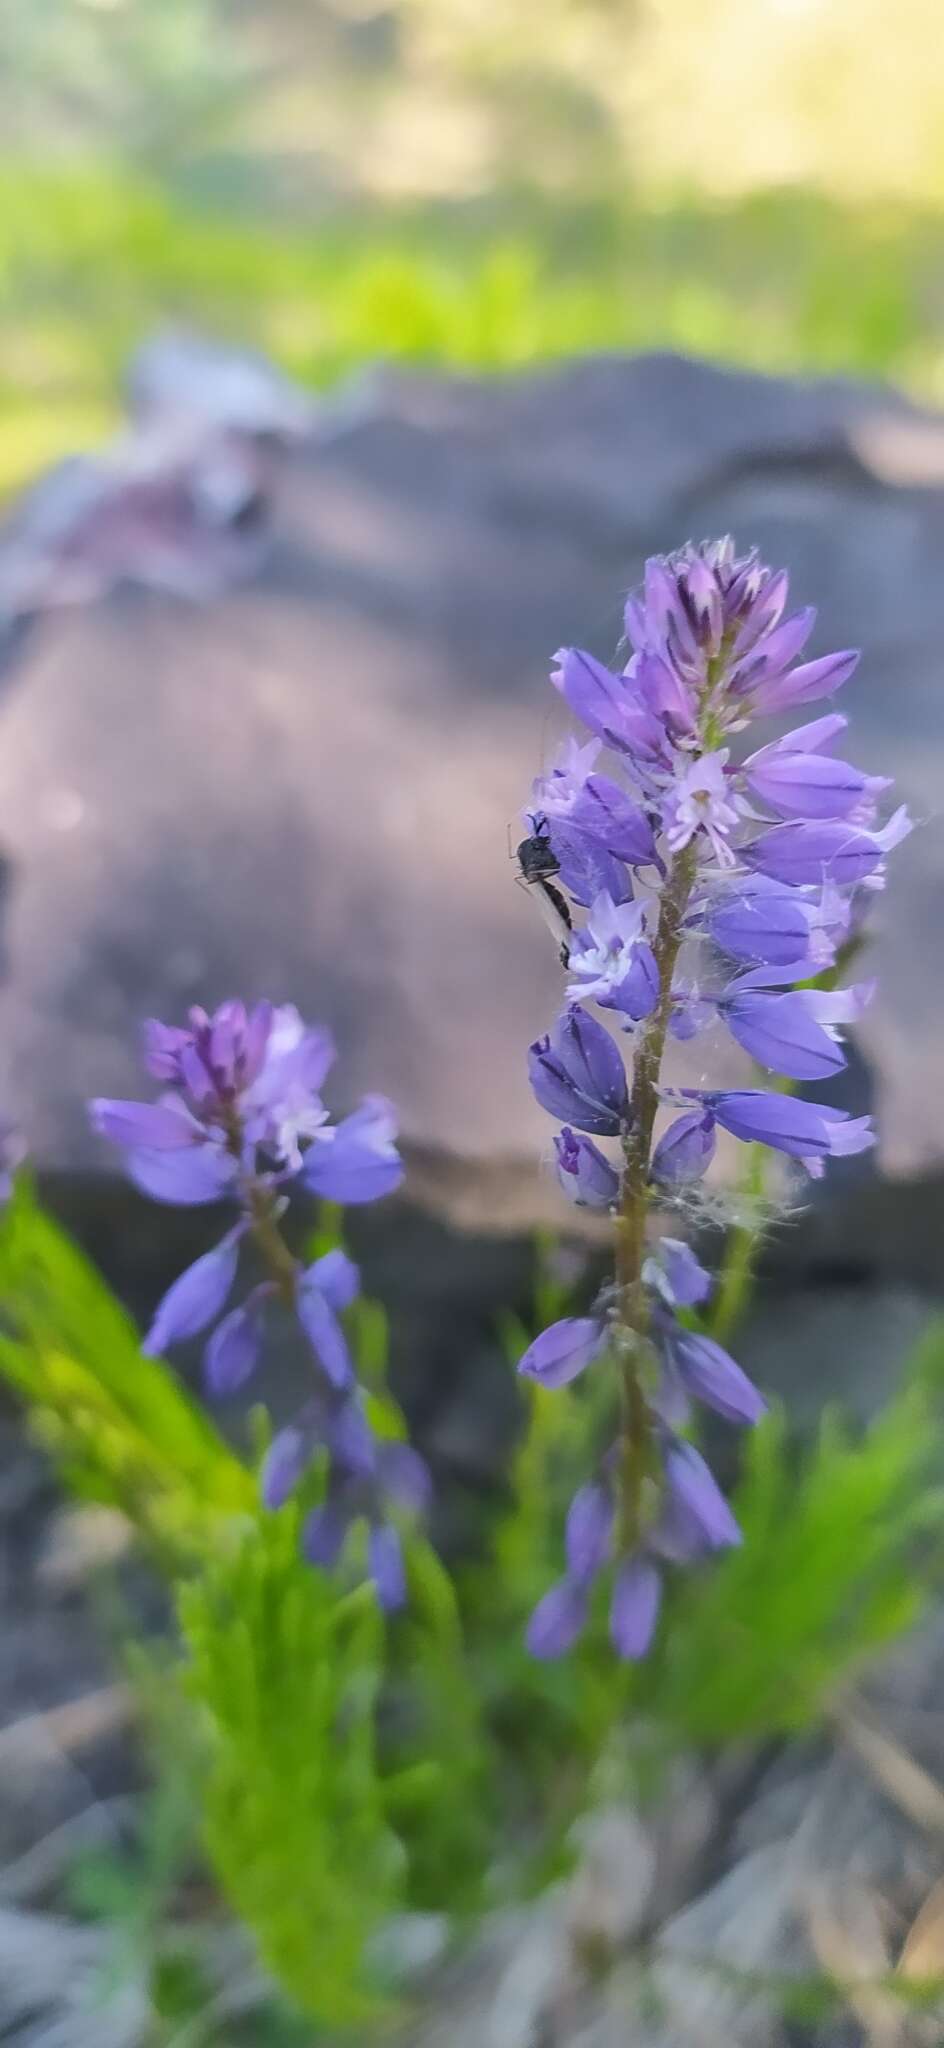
(195,1299)
(712,1377)
(564,1350)
(704,847)
(356,1161)
(385,1555)
(586,1177)
(578,1075)
(557,1621)
(637,1596)
(685,1151)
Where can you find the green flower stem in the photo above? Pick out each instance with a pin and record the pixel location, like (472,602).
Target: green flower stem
(632,1308)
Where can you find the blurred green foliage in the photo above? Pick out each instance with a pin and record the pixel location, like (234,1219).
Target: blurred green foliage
(343,1768)
(92,256)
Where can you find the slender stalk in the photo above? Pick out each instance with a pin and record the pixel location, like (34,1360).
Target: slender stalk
(633,1311)
(269,1241)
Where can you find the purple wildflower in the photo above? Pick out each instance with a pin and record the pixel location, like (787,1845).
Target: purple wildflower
(241,1115)
(696,848)
(585,1175)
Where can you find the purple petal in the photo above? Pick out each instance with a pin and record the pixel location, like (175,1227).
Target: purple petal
(685,1150)
(605,811)
(155,1126)
(677,1275)
(638,993)
(588,1532)
(564,1350)
(201,1174)
(356,1161)
(812,853)
(404,1477)
(578,1075)
(585,868)
(324,1334)
(801,1129)
(806,684)
(697,1499)
(287,1457)
(587,1178)
(557,1620)
(324,1533)
(349,1437)
(607,705)
(637,1596)
(779,1032)
(807,785)
(761,921)
(774,652)
(337,1278)
(385,1557)
(232,1353)
(162,1045)
(711,1376)
(195,1299)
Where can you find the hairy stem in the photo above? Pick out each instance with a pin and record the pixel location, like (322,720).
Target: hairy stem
(633,1314)
(267,1237)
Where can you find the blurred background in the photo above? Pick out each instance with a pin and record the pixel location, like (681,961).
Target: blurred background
(352,358)
(480,185)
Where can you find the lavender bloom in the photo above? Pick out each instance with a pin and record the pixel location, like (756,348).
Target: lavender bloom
(782,1032)
(612,962)
(241,1115)
(802,853)
(761,851)
(709,1374)
(758,919)
(589,1532)
(235,1348)
(685,1151)
(586,1177)
(563,1351)
(637,1595)
(699,1514)
(804,1130)
(675,1275)
(558,1620)
(578,1075)
(355,1161)
(196,1299)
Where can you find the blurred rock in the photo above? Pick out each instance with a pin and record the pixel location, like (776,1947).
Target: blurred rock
(306,787)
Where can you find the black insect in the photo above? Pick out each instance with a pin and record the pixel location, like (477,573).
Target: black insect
(537,862)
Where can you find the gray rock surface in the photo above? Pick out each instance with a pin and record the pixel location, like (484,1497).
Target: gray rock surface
(305,788)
